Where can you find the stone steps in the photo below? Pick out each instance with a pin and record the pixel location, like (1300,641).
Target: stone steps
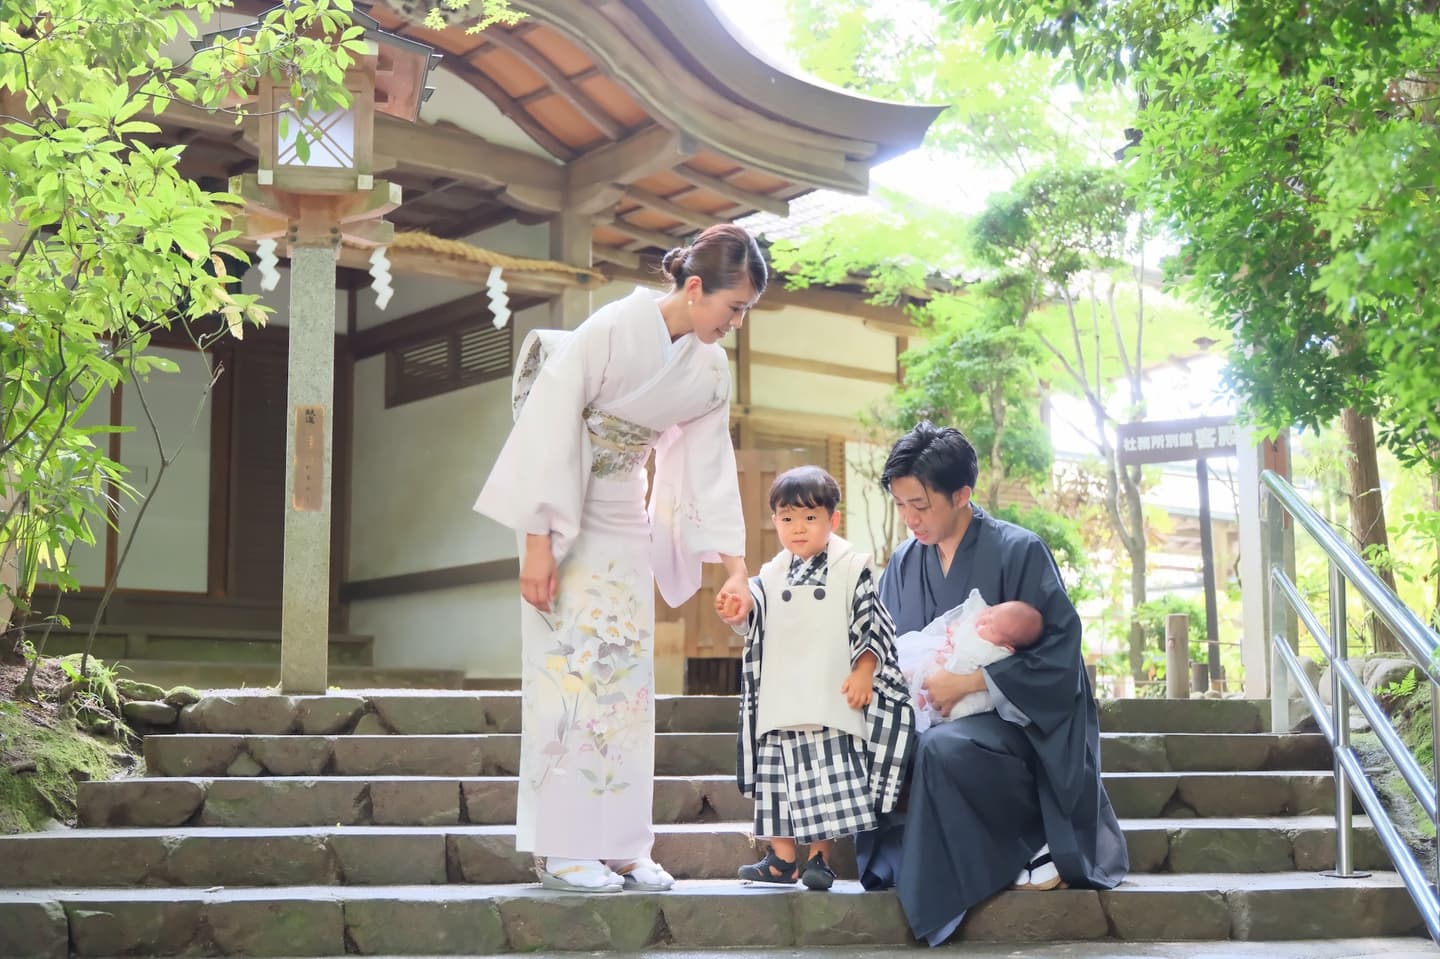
(258,676)
(403,855)
(481,919)
(676,754)
(376,712)
(380,821)
(490,800)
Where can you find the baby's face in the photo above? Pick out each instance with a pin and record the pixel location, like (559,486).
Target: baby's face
(1009,624)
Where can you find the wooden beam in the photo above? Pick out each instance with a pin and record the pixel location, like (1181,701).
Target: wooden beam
(437,186)
(613,254)
(744,358)
(558,81)
(537,287)
(649,151)
(425,323)
(530,182)
(655,238)
(405,584)
(670,208)
(464,224)
(888,319)
(803,365)
(792,421)
(749,199)
(589,73)
(521,117)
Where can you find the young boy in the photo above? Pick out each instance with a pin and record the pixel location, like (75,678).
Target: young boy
(825,720)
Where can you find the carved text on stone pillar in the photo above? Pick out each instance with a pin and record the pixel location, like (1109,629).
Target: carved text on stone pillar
(309,495)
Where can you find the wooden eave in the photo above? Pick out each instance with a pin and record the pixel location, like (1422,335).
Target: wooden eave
(653,125)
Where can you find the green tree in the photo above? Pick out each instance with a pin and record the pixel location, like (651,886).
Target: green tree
(1292,148)
(105,243)
(1064,234)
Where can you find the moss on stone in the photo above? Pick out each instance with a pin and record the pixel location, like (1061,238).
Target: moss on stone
(62,754)
(182,696)
(135,690)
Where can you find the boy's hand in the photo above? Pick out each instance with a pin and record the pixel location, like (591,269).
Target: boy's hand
(727,605)
(733,601)
(859,687)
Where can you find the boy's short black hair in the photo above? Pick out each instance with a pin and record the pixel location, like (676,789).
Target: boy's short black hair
(805,486)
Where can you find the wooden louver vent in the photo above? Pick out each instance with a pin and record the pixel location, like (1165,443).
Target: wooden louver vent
(446,362)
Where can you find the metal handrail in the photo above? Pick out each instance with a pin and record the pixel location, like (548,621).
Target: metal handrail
(1417,639)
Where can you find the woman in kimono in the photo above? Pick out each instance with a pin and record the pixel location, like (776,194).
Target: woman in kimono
(645,372)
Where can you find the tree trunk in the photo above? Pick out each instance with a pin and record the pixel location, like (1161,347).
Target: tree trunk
(1367,511)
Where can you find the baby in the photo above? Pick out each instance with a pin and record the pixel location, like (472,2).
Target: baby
(975,635)
(997,632)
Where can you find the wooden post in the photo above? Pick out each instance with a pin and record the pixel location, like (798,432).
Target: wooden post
(570,243)
(1177,656)
(1207,561)
(670,658)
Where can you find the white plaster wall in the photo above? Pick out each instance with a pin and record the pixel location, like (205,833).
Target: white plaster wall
(417,470)
(87,563)
(831,337)
(278,299)
(777,388)
(172,541)
(472,628)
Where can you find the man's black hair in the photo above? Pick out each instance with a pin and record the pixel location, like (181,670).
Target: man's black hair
(942,459)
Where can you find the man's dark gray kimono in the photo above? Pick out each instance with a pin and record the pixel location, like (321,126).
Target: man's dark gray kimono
(988,790)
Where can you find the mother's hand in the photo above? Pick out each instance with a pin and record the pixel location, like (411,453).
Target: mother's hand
(538,582)
(946,688)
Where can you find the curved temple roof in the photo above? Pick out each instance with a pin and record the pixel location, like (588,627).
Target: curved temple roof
(656,118)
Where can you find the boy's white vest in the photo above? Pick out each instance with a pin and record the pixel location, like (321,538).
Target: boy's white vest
(806,652)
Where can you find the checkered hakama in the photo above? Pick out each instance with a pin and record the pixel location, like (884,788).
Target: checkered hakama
(811,785)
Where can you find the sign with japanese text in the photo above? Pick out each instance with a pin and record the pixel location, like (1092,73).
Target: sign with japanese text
(309,453)
(1165,441)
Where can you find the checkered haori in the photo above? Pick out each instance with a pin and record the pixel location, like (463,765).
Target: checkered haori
(889,718)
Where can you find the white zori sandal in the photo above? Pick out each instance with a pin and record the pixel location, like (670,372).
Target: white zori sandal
(1039,873)
(579,875)
(642,875)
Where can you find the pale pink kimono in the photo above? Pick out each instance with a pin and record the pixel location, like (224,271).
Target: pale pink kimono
(574,466)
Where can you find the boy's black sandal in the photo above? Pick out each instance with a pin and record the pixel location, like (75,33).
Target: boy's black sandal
(770,869)
(818,874)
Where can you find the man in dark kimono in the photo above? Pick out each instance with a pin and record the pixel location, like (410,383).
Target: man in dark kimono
(988,792)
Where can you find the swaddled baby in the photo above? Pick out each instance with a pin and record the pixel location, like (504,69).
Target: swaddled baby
(974,635)
(996,633)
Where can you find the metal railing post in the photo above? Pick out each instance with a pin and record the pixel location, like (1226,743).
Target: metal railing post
(1340,712)
(1279,611)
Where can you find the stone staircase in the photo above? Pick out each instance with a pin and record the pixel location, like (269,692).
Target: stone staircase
(382,823)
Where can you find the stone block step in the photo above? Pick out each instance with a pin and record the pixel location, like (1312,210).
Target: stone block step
(1184,715)
(258,676)
(676,754)
(486,920)
(374,712)
(389,855)
(490,800)
(119,643)
(434,713)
